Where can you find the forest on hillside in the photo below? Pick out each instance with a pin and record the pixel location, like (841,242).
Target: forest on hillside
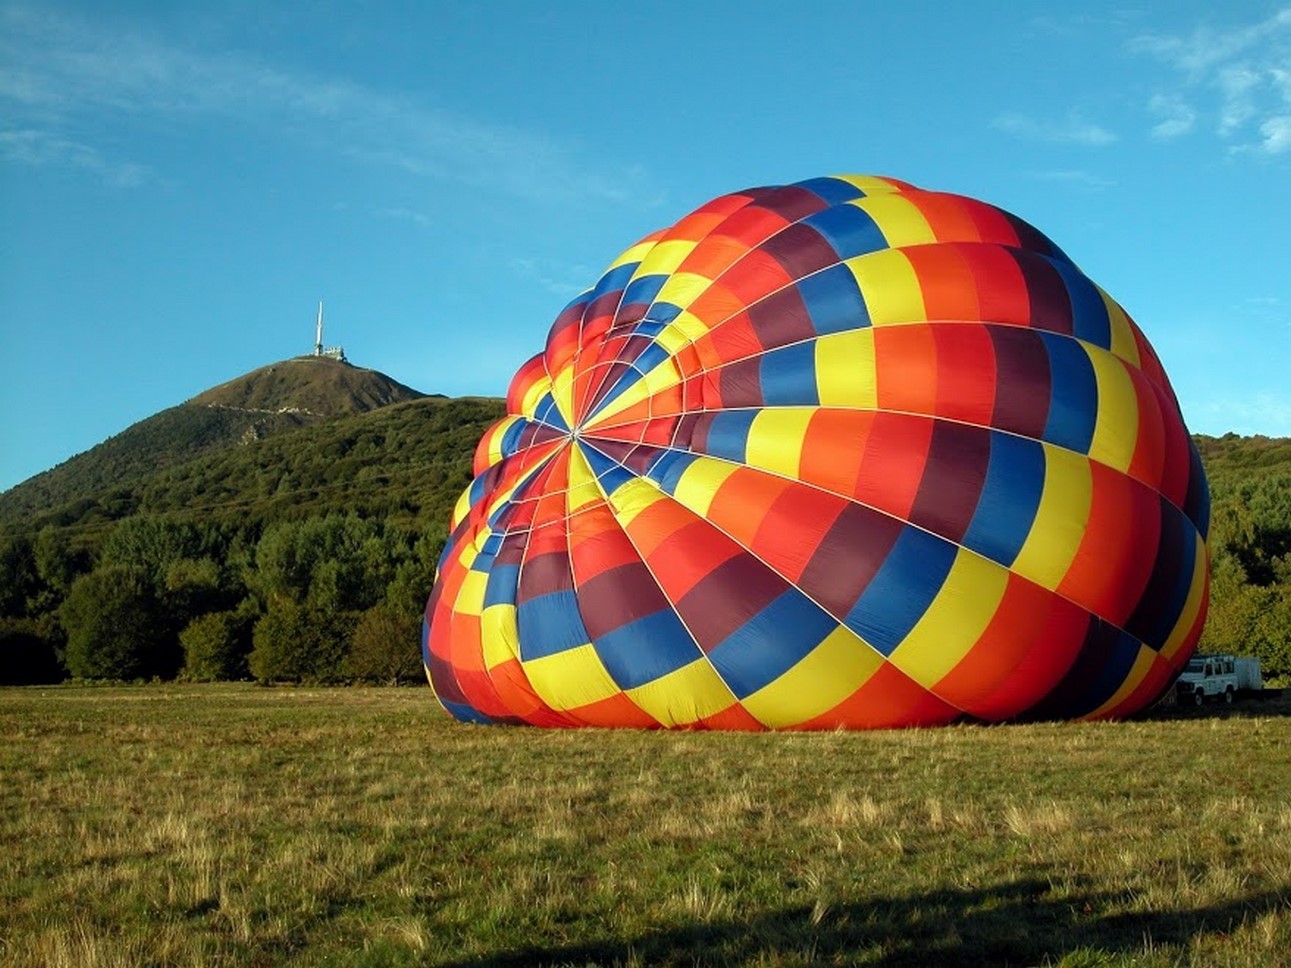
(308,557)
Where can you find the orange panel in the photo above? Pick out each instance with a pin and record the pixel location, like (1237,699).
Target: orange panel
(889,700)
(1114,561)
(947,215)
(905,360)
(946,281)
(832,449)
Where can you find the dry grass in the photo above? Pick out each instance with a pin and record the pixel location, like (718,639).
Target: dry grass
(231,825)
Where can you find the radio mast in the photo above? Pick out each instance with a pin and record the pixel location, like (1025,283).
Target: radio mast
(318,337)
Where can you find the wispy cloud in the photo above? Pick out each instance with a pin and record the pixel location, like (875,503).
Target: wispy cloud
(562,280)
(1243,73)
(1072,130)
(1177,116)
(40,148)
(68,79)
(1073,176)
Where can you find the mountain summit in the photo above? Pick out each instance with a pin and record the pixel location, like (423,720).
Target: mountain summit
(311,386)
(271,400)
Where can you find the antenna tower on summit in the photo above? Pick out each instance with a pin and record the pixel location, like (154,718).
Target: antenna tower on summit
(331,352)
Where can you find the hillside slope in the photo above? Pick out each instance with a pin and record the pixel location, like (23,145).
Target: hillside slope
(264,403)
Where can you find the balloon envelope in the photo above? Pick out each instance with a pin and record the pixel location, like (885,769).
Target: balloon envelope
(838,453)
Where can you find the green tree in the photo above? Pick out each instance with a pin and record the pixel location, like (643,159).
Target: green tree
(216,646)
(385,648)
(300,643)
(116,627)
(19,580)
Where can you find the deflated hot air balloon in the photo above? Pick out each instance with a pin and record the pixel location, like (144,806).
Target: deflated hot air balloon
(838,453)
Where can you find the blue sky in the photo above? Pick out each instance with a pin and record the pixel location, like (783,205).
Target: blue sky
(181,182)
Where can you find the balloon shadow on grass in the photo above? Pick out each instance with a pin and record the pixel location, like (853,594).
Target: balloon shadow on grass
(1022,922)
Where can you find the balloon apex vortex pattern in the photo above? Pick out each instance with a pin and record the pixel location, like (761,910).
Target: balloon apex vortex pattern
(841,453)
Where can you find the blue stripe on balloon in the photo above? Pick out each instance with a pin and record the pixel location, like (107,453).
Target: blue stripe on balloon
(610,474)
(614,280)
(848,229)
(1173,607)
(1009,498)
(643,289)
(771,642)
(663,312)
(728,434)
(788,376)
(667,468)
(908,581)
(1116,668)
(1073,403)
(647,649)
(466,714)
(1088,311)
(547,412)
(549,624)
(833,190)
(511,437)
(503,582)
(833,300)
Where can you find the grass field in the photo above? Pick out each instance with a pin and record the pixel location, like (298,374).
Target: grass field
(234,825)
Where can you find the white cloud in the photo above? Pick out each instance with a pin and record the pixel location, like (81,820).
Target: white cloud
(39,148)
(1244,72)
(1177,116)
(1276,135)
(1073,176)
(73,80)
(1072,130)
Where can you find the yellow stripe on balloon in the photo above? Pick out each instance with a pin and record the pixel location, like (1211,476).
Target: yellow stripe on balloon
(775,439)
(700,481)
(460,510)
(953,621)
(1116,431)
(1192,604)
(633,253)
(582,483)
(661,377)
(562,391)
(470,597)
(869,184)
(1143,663)
(664,258)
(1124,344)
(539,388)
(499,635)
(570,678)
(1060,519)
(890,287)
(682,288)
(899,219)
(684,696)
(631,498)
(822,679)
(496,436)
(845,370)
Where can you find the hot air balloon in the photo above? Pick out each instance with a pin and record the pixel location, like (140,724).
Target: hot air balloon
(841,453)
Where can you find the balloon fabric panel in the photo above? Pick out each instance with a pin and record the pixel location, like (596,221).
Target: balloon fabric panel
(840,453)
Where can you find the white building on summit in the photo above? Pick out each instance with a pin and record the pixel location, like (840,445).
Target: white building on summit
(331,352)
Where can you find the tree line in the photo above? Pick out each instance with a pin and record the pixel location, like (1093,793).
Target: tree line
(337,596)
(328,598)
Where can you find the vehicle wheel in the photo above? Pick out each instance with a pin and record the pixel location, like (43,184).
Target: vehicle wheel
(1228,696)
(1198,697)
